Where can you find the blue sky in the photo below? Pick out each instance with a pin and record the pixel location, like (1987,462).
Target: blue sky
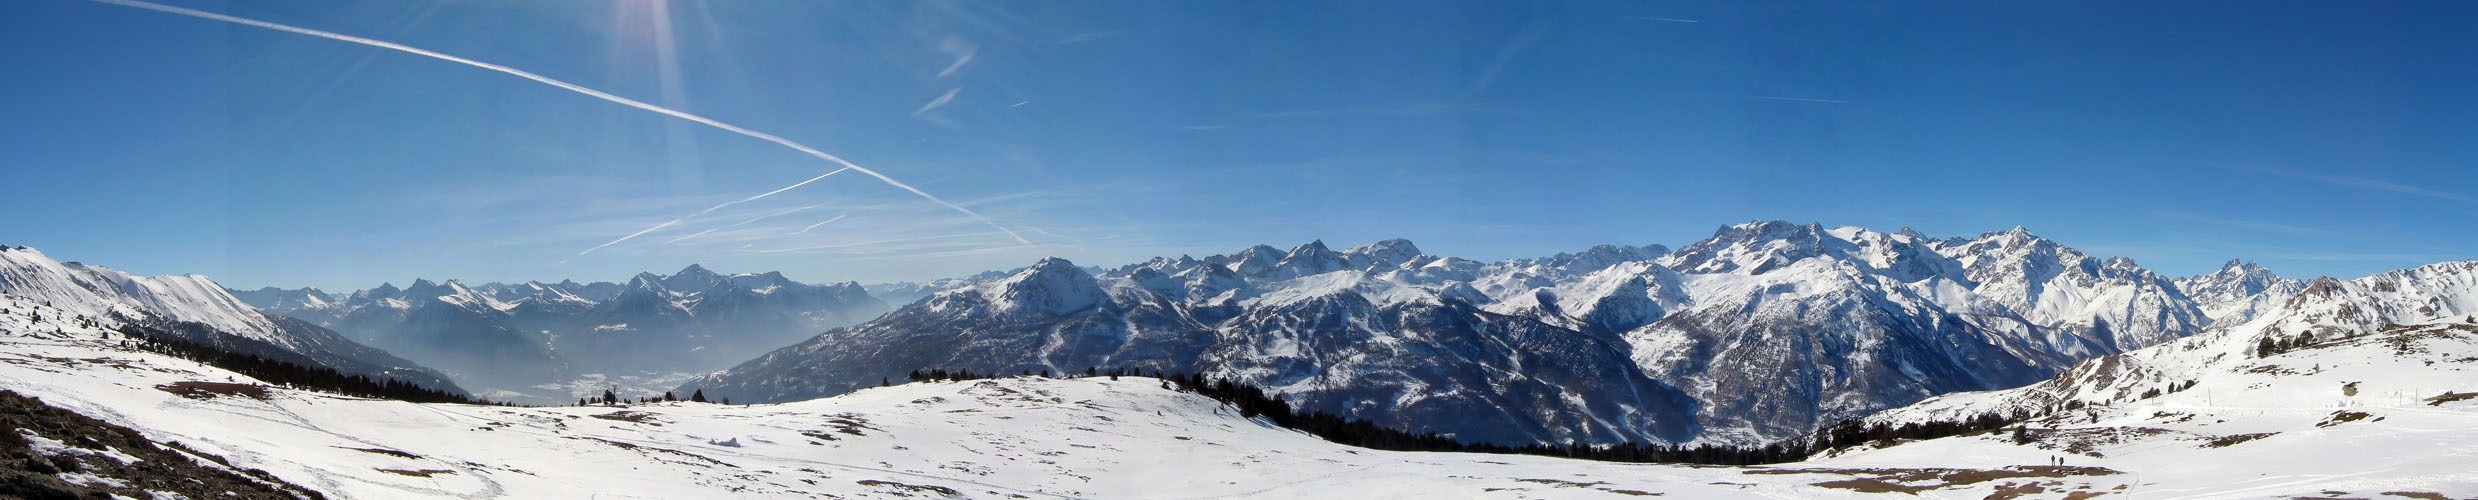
(2317,138)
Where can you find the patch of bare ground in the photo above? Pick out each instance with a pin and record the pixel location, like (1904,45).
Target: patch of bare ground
(637,417)
(384,451)
(209,390)
(1563,483)
(2449,396)
(2233,439)
(905,490)
(418,473)
(2345,416)
(2088,440)
(1637,493)
(2010,491)
(2421,495)
(1913,481)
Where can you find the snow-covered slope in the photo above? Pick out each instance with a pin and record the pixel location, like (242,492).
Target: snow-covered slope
(104,292)
(2368,380)
(2355,416)
(1126,438)
(192,306)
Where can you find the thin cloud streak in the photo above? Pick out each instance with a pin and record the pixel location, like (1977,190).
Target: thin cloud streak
(2253,225)
(820,223)
(1505,54)
(938,102)
(746,222)
(770,216)
(2355,182)
(840,246)
(1795,99)
(963,52)
(606,96)
(707,210)
(699,233)
(1086,37)
(626,238)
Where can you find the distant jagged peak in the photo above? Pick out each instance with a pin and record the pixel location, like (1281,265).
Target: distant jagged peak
(694,278)
(695,269)
(1254,260)
(648,282)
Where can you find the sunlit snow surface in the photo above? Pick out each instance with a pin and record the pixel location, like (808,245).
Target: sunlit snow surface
(1100,438)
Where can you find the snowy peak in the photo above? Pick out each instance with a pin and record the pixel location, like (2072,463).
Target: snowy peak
(1599,257)
(1752,247)
(1052,286)
(1255,261)
(2239,291)
(1309,260)
(1757,248)
(1383,254)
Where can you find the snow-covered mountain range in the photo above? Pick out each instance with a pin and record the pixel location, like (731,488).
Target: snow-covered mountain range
(106,297)
(2347,388)
(1764,331)
(531,341)
(2293,431)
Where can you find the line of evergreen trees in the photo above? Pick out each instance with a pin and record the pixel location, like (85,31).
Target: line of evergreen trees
(286,373)
(1253,402)
(2275,344)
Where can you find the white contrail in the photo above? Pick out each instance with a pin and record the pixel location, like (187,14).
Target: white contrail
(597,94)
(699,233)
(770,216)
(630,235)
(814,226)
(703,212)
(963,52)
(743,223)
(941,100)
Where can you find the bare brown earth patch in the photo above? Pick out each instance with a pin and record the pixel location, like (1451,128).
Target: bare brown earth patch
(1913,481)
(2345,416)
(2449,396)
(209,390)
(637,417)
(384,451)
(2233,439)
(901,489)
